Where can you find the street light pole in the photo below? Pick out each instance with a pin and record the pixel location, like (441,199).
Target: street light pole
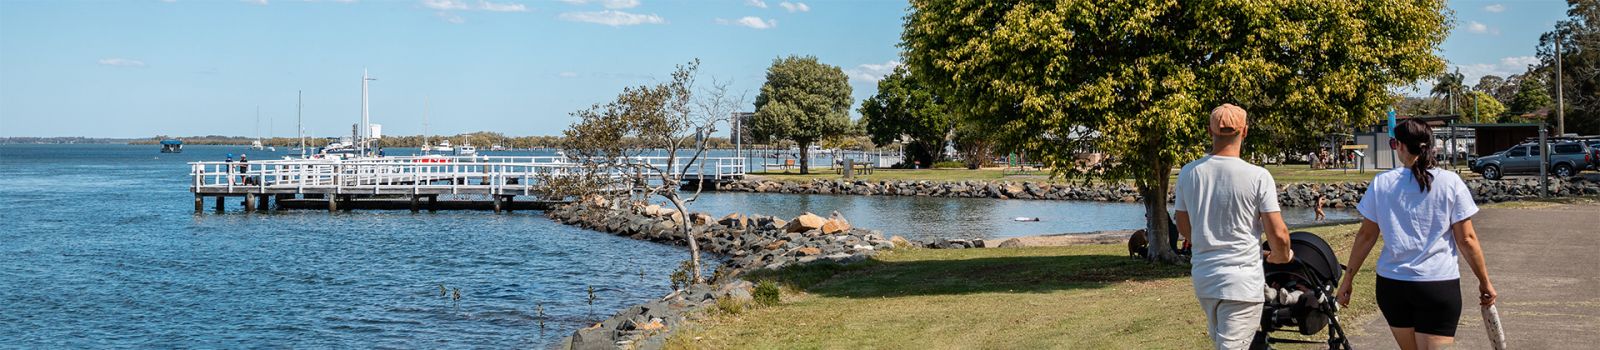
(1561,114)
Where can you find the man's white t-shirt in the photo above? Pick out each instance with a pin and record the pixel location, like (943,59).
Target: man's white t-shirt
(1418,243)
(1225,197)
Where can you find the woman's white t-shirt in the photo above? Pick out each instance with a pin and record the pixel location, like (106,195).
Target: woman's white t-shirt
(1418,243)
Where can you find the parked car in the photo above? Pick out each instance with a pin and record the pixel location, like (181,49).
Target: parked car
(1566,159)
(1594,154)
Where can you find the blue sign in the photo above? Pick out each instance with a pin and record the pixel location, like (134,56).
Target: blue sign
(1391,122)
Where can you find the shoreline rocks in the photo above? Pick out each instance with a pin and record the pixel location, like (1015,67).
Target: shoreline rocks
(1336,195)
(747,243)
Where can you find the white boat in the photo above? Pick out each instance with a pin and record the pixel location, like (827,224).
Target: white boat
(442,147)
(341,149)
(497,148)
(466,150)
(256,145)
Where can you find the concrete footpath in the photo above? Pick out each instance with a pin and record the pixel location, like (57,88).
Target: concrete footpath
(1545,263)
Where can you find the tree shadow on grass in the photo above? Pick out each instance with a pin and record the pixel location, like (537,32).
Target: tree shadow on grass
(1018,274)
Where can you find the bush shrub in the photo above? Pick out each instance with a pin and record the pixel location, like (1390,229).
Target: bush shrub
(949,165)
(766,293)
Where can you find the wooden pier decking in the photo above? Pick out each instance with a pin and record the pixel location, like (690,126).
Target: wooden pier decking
(409,182)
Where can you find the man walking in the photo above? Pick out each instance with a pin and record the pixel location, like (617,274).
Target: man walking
(1224,205)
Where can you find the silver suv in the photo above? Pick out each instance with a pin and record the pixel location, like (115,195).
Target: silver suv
(1566,159)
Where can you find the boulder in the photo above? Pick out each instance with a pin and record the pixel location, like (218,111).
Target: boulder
(700,219)
(734,221)
(808,251)
(805,222)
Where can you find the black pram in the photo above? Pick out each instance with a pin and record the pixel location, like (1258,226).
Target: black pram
(1300,294)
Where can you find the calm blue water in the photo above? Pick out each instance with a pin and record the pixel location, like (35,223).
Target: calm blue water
(102,248)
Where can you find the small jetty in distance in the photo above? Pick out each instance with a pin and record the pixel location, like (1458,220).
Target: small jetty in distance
(413,182)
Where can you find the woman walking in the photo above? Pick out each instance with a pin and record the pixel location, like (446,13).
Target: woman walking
(1425,218)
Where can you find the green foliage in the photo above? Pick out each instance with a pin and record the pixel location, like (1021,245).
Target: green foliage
(949,165)
(1580,61)
(803,101)
(1449,87)
(1482,108)
(1135,79)
(682,277)
(1531,97)
(905,110)
(730,306)
(766,293)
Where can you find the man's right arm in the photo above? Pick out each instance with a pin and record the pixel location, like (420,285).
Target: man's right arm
(1183,224)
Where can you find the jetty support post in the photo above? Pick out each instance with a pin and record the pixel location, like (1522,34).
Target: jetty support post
(433,203)
(413,203)
(496,203)
(333,203)
(508,203)
(199,203)
(220,200)
(249,202)
(263,203)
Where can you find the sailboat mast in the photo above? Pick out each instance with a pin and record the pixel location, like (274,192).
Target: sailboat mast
(425,125)
(258,124)
(299,129)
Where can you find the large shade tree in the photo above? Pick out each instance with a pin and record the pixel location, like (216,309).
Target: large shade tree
(1580,65)
(1134,79)
(804,101)
(905,110)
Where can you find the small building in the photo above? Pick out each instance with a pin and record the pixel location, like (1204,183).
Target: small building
(1373,145)
(1493,138)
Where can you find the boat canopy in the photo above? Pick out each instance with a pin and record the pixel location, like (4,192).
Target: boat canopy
(171,142)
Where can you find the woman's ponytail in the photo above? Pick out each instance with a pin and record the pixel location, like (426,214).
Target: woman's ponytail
(1417,138)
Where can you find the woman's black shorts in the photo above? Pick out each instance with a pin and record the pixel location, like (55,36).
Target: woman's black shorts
(1431,307)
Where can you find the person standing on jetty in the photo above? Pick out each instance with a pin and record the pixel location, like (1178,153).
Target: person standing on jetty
(1425,218)
(1223,205)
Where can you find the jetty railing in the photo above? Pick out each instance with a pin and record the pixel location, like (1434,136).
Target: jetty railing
(491,175)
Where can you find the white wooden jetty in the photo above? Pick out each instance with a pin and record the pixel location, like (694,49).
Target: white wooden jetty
(413,182)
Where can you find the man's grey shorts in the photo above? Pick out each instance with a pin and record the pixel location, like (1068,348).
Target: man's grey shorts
(1231,323)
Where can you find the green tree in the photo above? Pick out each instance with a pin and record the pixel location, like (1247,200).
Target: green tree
(1134,79)
(1580,61)
(905,110)
(1530,98)
(1482,108)
(803,101)
(1449,87)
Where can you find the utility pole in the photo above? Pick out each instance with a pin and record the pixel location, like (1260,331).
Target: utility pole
(1561,110)
(300,129)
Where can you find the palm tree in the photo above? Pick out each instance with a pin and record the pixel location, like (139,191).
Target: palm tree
(1449,85)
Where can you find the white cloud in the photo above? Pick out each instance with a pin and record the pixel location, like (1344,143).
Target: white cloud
(612,18)
(445,4)
(751,21)
(450,17)
(450,5)
(568,74)
(756,3)
(872,71)
(121,62)
(795,6)
(610,4)
(169,1)
(256,2)
(1480,28)
(1496,8)
(1506,67)
(501,7)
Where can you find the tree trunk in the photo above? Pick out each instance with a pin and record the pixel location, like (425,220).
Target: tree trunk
(1154,190)
(805,157)
(694,244)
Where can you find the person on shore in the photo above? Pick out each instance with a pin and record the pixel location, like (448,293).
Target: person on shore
(1320,215)
(1424,216)
(1223,205)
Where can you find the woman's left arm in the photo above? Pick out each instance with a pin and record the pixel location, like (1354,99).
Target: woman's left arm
(1467,241)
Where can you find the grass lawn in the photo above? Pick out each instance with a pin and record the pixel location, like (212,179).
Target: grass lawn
(1090,296)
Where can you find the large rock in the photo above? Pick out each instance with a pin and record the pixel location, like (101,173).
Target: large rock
(805,222)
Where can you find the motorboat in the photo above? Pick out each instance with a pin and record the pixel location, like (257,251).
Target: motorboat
(442,147)
(466,150)
(171,146)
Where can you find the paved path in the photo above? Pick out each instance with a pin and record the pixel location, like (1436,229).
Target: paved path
(1546,264)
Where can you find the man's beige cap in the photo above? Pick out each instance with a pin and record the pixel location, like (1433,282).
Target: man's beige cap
(1227,120)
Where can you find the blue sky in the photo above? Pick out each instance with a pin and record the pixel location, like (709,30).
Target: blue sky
(186,67)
